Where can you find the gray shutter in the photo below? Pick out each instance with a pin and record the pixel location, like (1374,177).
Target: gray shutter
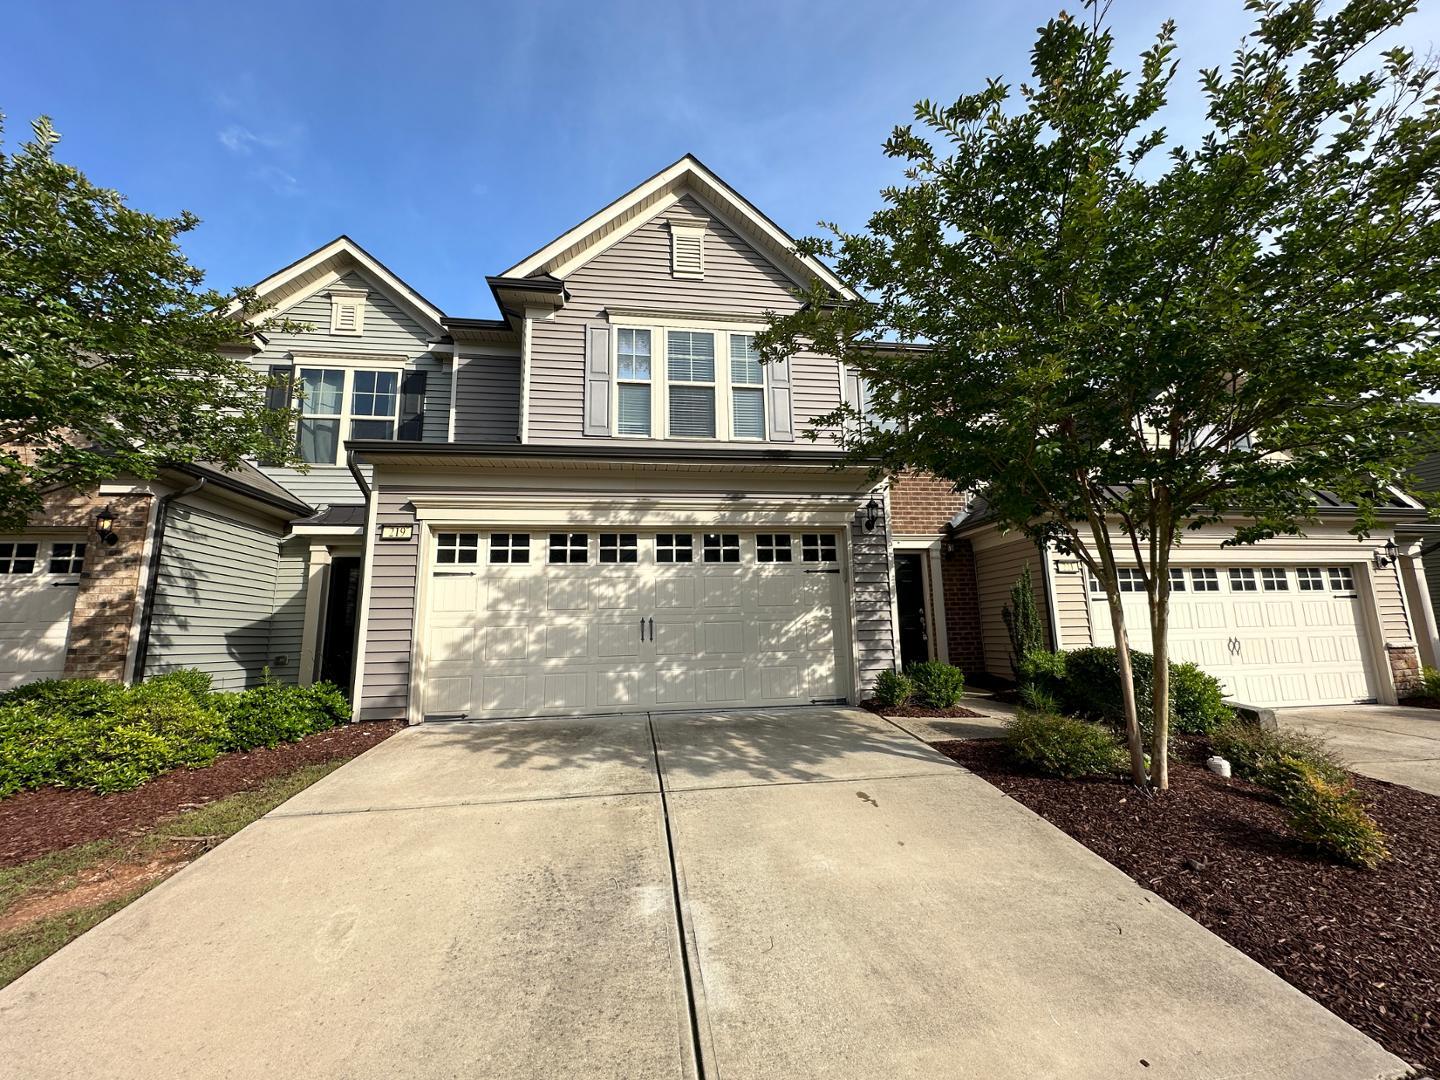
(412,407)
(279,395)
(597,379)
(782,420)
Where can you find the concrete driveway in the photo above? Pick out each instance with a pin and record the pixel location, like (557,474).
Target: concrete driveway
(802,894)
(1388,742)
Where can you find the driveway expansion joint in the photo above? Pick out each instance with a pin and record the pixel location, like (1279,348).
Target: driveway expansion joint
(459,803)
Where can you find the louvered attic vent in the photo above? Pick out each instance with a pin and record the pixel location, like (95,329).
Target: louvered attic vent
(687,251)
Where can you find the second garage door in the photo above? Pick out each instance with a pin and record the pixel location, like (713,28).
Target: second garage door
(1272,635)
(531,624)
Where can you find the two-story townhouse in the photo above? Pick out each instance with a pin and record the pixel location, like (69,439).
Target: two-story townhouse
(601,501)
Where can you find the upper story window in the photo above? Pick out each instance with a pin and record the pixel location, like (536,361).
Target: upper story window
(632,375)
(344,403)
(690,366)
(687,251)
(747,388)
(347,311)
(683,383)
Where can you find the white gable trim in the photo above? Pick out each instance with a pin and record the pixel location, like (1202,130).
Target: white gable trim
(687,176)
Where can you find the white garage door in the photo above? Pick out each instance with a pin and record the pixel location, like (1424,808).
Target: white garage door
(37,596)
(1273,635)
(527,624)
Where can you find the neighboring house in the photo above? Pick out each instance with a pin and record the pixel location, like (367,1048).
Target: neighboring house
(1428,539)
(602,502)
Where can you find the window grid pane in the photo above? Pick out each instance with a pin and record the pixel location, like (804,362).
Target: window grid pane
(1177,579)
(818,547)
(674,548)
(375,393)
(569,547)
(1205,580)
(1131,580)
(452,548)
(633,355)
(690,356)
(745,369)
(509,547)
(1310,579)
(619,547)
(18,558)
(1342,579)
(1242,579)
(67,558)
(1274,579)
(722,547)
(322,391)
(772,547)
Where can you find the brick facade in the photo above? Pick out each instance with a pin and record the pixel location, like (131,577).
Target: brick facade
(1405,667)
(109,587)
(922,505)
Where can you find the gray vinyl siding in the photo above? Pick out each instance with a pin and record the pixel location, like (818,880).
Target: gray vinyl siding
(389,331)
(996,571)
(215,597)
(487,399)
(287,620)
(390,628)
(635,273)
(874,608)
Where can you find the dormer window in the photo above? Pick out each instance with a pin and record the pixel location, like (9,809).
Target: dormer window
(347,311)
(687,251)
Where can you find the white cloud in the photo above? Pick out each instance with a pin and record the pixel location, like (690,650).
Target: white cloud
(239,139)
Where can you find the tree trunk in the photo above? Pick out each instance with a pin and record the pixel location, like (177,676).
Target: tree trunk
(1133,740)
(1160,688)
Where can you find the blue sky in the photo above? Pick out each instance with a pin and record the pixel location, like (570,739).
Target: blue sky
(452,138)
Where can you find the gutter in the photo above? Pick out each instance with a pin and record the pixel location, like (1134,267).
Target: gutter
(371,449)
(152,581)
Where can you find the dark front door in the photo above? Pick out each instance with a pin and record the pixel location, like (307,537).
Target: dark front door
(910,599)
(337,647)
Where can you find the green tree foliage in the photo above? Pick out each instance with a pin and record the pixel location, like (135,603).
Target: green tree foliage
(1022,621)
(1124,339)
(114,358)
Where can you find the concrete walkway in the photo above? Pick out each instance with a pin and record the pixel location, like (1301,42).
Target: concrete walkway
(787,895)
(1388,742)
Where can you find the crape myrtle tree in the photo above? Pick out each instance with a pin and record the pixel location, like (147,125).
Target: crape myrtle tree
(112,352)
(1125,339)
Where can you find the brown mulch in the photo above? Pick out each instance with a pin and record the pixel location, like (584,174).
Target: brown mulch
(957,711)
(1421,702)
(34,823)
(1365,944)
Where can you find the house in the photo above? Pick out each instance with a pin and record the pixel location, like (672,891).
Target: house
(602,502)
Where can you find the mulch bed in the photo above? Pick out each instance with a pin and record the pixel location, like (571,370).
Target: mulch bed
(34,823)
(1421,702)
(958,711)
(1365,944)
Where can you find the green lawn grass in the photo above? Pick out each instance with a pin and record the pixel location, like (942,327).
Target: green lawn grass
(24,947)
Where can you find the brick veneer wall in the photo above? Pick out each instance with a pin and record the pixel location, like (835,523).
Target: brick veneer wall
(110,582)
(962,607)
(1405,667)
(921,504)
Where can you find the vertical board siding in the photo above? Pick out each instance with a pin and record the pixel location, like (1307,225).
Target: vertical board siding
(390,629)
(214,598)
(388,330)
(487,399)
(287,623)
(874,612)
(996,571)
(635,273)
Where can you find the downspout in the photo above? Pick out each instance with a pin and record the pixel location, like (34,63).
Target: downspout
(152,581)
(362,616)
(358,475)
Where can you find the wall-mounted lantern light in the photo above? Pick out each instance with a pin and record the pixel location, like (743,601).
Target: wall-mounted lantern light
(1391,553)
(872,514)
(105,526)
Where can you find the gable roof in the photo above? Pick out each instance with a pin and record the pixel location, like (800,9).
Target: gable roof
(643,202)
(309,273)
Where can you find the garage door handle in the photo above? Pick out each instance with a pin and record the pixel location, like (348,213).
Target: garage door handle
(642,627)
(832,570)
(652,628)
(65,584)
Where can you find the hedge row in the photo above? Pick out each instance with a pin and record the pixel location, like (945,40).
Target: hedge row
(105,736)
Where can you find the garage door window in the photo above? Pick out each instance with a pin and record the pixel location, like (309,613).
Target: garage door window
(1242,579)
(1205,579)
(817,547)
(18,558)
(1310,579)
(1130,580)
(722,547)
(619,547)
(1342,579)
(772,547)
(452,548)
(1274,579)
(674,548)
(509,547)
(1177,580)
(67,558)
(569,547)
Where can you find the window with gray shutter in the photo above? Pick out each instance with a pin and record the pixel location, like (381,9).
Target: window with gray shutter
(747,388)
(633,379)
(597,379)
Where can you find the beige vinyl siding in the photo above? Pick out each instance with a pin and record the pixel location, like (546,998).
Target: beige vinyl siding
(1394,619)
(635,273)
(390,627)
(287,621)
(388,331)
(487,399)
(997,569)
(215,596)
(1072,608)
(874,608)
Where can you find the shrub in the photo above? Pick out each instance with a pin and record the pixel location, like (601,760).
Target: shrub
(938,685)
(273,713)
(1062,745)
(1256,753)
(1429,683)
(1043,669)
(1022,621)
(893,688)
(193,681)
(1326,816)
(72,697)
(193,733)
(1091,687)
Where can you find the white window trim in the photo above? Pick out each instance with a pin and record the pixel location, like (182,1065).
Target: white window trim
(688,232)
(341,300)
(660,380)
(345,415)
